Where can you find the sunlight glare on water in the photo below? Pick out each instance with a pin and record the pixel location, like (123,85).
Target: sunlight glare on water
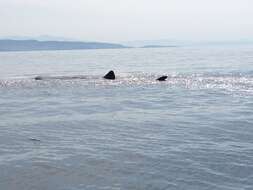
(193,131)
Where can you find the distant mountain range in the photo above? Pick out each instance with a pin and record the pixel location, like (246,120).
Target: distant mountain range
(35,45)
(47,42)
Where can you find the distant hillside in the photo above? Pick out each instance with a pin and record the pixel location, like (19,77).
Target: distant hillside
(34,45)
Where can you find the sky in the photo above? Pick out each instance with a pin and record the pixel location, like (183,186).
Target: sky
(129,20)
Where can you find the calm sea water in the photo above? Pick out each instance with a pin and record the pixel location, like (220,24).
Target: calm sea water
(194,131)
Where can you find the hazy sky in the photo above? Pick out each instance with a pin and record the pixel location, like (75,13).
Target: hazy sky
(126,20)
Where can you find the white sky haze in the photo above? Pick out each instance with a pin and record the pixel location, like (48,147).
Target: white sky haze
(126,20)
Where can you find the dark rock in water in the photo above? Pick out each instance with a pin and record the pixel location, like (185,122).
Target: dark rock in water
(110,75)
(162,78)
(38,78)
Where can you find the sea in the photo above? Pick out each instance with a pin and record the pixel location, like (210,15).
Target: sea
(74,130)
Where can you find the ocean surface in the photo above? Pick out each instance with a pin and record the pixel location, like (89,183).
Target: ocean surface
(191,132)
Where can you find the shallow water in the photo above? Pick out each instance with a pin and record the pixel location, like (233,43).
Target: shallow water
(194,131)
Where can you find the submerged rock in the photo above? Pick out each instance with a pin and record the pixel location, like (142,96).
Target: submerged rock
(110,75)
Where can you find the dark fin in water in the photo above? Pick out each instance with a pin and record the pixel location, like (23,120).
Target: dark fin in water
(162,78)
(38,78)
(110,75)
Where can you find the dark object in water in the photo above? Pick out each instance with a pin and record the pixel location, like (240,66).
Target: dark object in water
(60,77)
(162,78)
(33,139)
(110,75)
(38,78)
